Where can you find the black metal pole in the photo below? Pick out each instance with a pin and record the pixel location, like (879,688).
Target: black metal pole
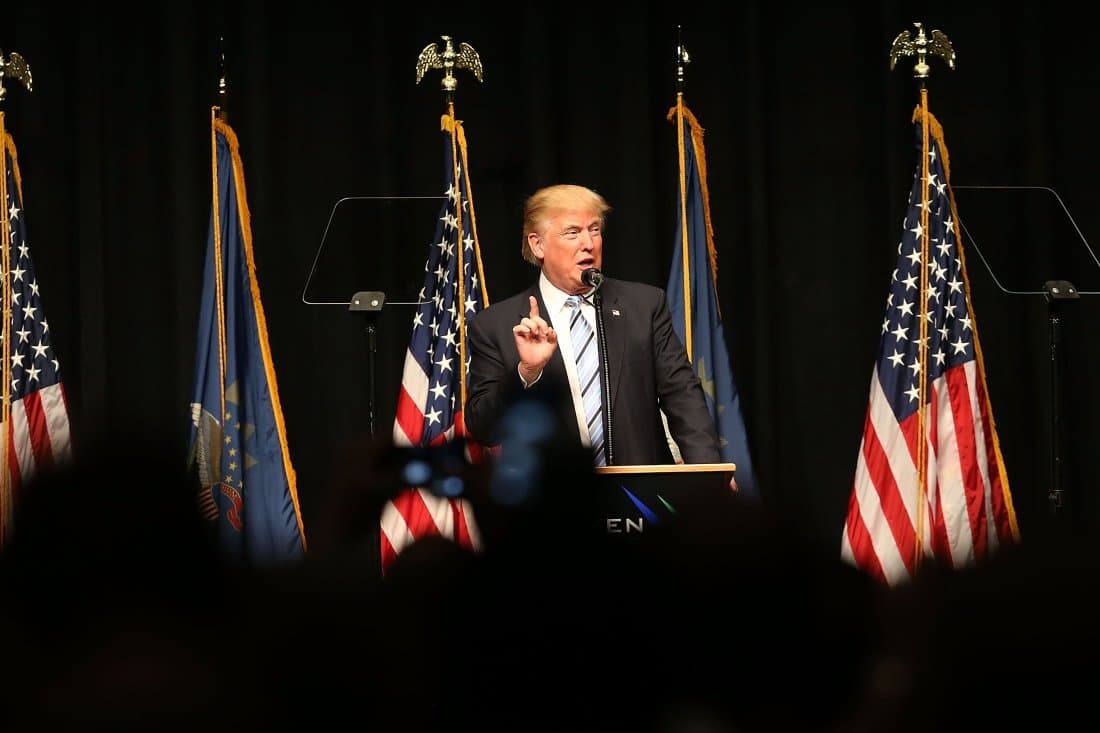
(1056,291)
(1054,497)
(369,303)
(372,352)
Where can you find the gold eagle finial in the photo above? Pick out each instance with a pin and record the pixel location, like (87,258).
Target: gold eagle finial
(935,43)
(682,60)
(449,60)
(16,68)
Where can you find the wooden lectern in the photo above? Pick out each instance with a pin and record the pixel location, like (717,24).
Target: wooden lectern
(639,498)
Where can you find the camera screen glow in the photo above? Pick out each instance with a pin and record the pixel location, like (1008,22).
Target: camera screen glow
(417,472)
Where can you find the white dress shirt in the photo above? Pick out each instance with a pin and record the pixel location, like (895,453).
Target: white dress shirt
(558,315)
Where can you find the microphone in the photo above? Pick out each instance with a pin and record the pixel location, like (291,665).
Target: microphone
(592,277)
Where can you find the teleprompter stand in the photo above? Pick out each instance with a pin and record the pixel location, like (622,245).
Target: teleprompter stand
(375,238)
(1057,294)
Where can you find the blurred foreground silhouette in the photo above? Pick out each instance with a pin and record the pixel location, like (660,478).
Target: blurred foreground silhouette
(120,614)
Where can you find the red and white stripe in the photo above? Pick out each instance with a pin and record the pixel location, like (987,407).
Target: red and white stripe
(38,433)
(965,513)
(417,513)
(38,439)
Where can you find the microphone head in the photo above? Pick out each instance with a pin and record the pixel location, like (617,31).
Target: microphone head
(592,277)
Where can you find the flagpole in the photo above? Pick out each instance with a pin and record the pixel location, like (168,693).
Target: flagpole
(921,46)
(420,510)
(216,245)
(15,67)
(247,486)
(5,268)
(449,60)
(682,60)
(952,505)
(922,346)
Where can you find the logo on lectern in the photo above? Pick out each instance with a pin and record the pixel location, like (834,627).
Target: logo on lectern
(636,523)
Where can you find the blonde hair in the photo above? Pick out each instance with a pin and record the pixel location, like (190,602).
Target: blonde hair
(546,203)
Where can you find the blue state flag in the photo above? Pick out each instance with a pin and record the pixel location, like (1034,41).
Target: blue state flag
(696,317)
(238,437)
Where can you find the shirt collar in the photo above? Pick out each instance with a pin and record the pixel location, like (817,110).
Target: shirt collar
(553,297)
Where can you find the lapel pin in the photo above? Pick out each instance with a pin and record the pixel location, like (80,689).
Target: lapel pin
(614,311)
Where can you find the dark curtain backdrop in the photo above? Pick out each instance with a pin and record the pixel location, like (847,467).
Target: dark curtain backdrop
(810,153)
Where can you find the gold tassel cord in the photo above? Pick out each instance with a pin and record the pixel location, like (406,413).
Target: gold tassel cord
(473,215)
(701,163)
(682,113)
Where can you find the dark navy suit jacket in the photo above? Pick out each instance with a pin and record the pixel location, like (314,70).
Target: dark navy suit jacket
(648,367)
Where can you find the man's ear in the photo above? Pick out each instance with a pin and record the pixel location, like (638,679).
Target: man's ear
(535,242)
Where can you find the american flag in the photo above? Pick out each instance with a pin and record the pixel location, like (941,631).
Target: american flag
(429,404)
(963,511)
(36,414)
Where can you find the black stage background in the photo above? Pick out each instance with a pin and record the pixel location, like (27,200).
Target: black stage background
(810,157)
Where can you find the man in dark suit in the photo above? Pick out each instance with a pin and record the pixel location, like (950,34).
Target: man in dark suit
(523,347)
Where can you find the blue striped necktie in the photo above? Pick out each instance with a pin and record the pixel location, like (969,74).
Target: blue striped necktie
(588,375)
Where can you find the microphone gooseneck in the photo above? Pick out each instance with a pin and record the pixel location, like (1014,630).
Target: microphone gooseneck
(605,372)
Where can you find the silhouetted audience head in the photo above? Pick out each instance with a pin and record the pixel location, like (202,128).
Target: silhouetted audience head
(988,647)
(122,615)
